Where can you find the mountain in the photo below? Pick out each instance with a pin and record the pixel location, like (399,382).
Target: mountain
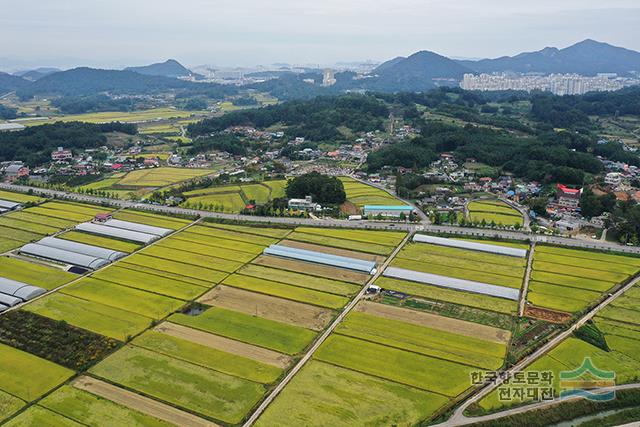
(89,81)
(420,71)
(10,83)
(169,68)
(588,57)
(38,73)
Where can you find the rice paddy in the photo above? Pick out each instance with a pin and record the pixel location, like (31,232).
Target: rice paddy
(494,212)
(234,198)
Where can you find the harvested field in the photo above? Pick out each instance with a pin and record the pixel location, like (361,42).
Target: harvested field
(208,357)
(313,269)
(269,307)
(140,403)
(238,348)
(333,251)
(547,315)
(283,290)
(460,327)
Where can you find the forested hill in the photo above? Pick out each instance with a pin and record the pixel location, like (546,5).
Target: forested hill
(35,144)
(316,119)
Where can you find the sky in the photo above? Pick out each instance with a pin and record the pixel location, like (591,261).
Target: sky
(117,33)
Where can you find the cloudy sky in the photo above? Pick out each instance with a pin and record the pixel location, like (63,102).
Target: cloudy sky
(114,33)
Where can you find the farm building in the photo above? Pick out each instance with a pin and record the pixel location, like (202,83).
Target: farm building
(368,267)
(305,204)
(63,256)
(118,233)
(387,211)
(474,246)
(140,228)
(6,205)
(453,283)
(13,292)
(81,248)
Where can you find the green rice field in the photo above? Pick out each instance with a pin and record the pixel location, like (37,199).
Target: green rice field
(362,194)
(494,211)
(34,274)
(266,333)
(234,198)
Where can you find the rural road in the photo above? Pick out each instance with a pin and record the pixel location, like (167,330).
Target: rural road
(458,418)
(527,277)
(374,225)
(267,401)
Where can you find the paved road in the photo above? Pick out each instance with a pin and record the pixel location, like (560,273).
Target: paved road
(539,405)
(376,225)
(458,418)
(256,414)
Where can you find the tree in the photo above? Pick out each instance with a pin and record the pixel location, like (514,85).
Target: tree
(324,189)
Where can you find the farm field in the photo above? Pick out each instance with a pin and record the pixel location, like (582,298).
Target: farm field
(190,246)
(178,268)
(494,211)
(190,258)
(19,197)
(290,292)
(571,280)
(29,376)
(299,279)
(435,293)
(269,307)
(265,333)
(237,237)
(118,116)
(234,198)
(34,274)
(152,219)
(86,408)
(322,394)
(362,194)
(208,357)
(9,405)
(312,269)
(92,316)
(341,243)
(101,241)
(277,233)
(133,300)
(159,177)
(385,238)
(41,417)
(186,385)
(156,283)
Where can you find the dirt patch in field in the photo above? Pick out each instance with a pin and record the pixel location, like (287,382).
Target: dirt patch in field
(434,321)
(547,315)
(313,269)
(225,344)
(333,251)
(349,208)
(278,309)
(140,403)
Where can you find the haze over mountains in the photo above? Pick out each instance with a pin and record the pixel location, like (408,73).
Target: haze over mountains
(421,71)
